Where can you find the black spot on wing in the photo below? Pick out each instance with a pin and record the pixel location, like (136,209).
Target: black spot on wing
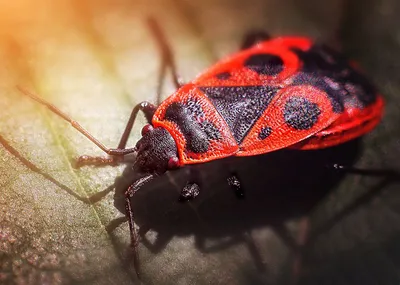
(264,133)
(223,75)
(300,113)
(331,72)
(240,106)
(264,63)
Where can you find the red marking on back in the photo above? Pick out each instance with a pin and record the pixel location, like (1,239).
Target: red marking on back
(242,76)
(225,146)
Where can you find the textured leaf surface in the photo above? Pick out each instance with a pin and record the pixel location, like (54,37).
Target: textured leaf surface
(95,60)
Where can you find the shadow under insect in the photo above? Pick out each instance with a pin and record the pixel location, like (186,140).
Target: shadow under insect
(277,186)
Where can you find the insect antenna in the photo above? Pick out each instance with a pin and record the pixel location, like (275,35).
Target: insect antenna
(76,125)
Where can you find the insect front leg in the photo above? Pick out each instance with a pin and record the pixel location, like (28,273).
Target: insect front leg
(148,110)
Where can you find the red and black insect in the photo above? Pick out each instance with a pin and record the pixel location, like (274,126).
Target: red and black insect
(285,92)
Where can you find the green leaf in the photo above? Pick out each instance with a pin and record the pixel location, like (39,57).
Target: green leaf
(95,60)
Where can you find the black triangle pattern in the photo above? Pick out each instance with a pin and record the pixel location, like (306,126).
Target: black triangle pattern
(240,106)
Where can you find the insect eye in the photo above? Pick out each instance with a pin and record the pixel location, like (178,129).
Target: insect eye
(147,128)
(173,163)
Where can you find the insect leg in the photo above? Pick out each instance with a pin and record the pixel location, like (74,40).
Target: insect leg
(148,110)
(388,173)
(189,192)
(254,38)
(388,177)
(233,180)
(167,56)
(234,183)
(129,213)
(192,187)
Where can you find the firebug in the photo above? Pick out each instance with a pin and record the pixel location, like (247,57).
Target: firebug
(284,92)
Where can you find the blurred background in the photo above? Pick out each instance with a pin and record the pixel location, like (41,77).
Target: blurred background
(97,59)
